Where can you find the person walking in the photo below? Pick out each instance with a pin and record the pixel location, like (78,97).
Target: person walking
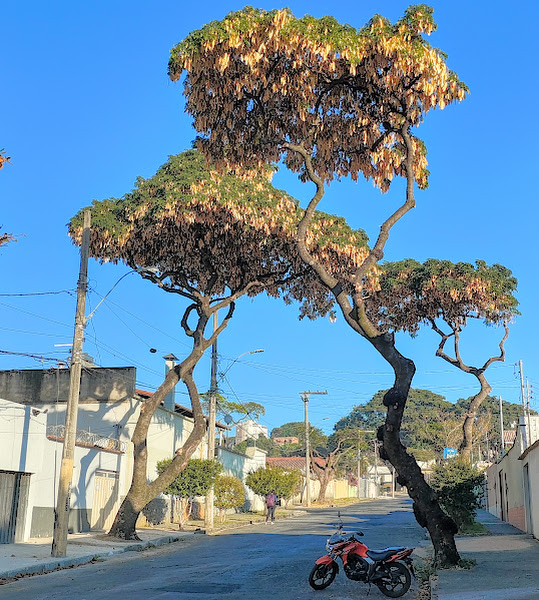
(271,501)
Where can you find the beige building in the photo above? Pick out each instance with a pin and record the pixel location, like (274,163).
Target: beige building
(513,480)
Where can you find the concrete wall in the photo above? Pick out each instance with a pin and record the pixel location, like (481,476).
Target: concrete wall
(240,465)
(33,386)
(512,495)
(530,466)
(24,447)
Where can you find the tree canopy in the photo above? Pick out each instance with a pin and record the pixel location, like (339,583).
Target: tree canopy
(196,231)
(195,480)
(411,293)
(431,423)
(3,158)
(258,81)
(297,429)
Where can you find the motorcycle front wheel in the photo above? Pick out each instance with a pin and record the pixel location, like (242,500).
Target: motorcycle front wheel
(396,580)
(322,575)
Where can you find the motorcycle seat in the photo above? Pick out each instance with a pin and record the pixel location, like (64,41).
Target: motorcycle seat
(379,555)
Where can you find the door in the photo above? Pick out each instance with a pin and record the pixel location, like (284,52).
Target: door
(528,499)
(503,515)
(105,505)
(14,487)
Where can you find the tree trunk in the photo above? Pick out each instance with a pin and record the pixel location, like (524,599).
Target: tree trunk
(426,507)
(466,445)
(124,526)
(324,482)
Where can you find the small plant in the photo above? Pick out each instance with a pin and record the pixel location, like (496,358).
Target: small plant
(285,483)
(459,487)
(195,480)
(229,493)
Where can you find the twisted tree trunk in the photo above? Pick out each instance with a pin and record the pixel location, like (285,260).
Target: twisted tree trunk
(427,509)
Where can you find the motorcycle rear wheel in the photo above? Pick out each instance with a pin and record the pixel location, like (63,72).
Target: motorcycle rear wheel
(322,575)
(396,580)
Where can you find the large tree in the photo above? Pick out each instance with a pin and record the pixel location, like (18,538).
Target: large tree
(210,238)
(331,101)
(4,158)
(327,462)
(448,296)
(5,238)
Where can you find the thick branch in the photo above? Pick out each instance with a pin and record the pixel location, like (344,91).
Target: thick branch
(377,252)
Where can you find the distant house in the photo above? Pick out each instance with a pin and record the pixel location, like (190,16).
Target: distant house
(33,417)
(281,441)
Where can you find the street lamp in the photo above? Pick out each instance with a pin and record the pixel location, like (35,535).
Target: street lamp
(223,373)
(208,515)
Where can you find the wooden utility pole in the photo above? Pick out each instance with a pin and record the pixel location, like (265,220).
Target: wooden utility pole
(305,398)
(61,515)
(525,406)
(359,432)
(208,513)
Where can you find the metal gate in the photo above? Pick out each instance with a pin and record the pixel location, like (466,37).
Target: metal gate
(105,505)
(14,487)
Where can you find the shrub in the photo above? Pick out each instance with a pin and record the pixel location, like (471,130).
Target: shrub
(228,493)
(459,487)
(195,480)
(285,483)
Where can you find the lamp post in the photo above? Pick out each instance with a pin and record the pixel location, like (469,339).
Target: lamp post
(208,513)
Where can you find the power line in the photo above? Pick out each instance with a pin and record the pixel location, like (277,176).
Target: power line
(20,295)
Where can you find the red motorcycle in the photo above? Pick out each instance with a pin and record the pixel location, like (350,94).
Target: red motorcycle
(390,569)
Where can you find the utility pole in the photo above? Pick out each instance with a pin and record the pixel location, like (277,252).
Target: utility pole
(305,398)
(61,515)
(527,423)
(359,432)
(376,487)
(208,513)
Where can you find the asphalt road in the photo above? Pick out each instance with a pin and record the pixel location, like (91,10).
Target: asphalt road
(258,562)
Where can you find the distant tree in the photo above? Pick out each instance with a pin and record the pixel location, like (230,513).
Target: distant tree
(229,493)
(286,484)
(331,458)
(421,423)
(317,438)
(210,238)
(262,442)
(240,410)
(195,480)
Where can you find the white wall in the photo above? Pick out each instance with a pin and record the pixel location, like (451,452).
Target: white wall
(24,447)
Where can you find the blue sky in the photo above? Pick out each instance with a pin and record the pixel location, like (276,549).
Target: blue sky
(87,107)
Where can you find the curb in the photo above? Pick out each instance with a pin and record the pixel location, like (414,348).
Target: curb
(66,563)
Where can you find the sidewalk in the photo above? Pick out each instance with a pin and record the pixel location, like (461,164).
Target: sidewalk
(34,556)
(507,566)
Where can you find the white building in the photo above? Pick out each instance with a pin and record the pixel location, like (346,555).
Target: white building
(250,430)
(32,417)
